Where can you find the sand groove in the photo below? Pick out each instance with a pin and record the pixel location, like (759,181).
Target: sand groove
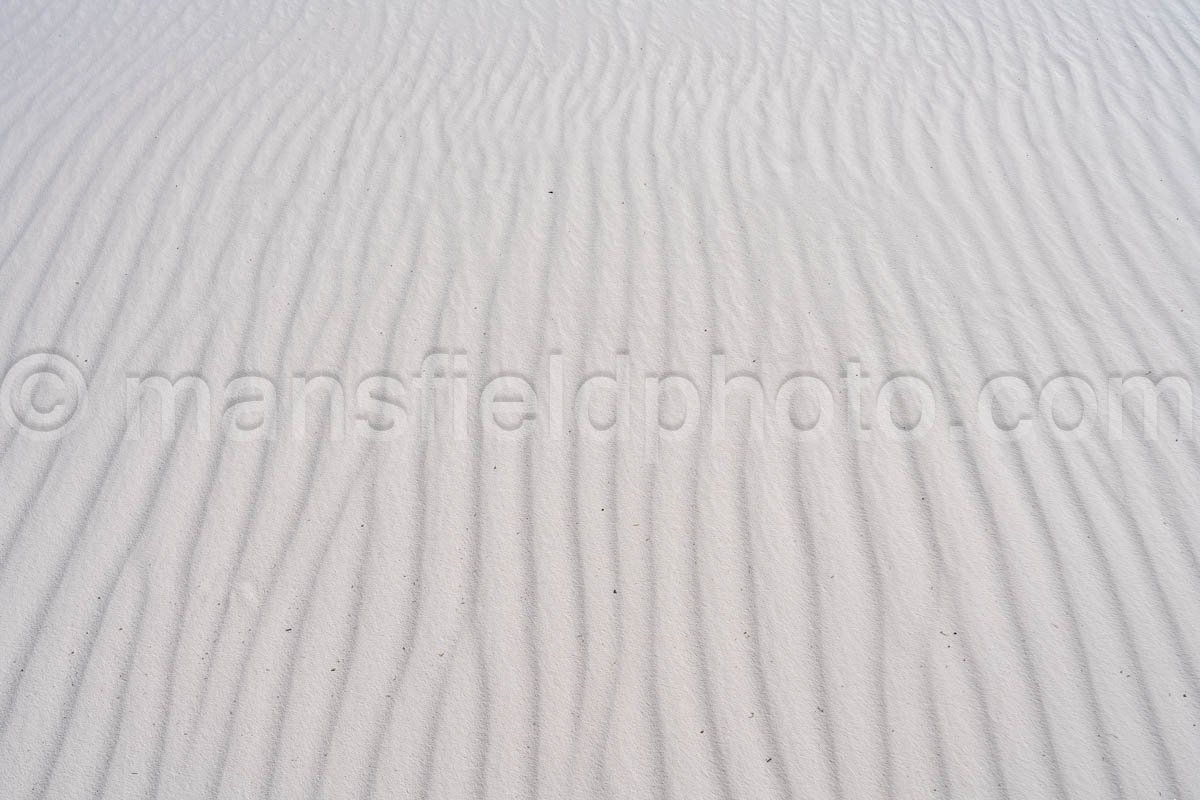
(952,191)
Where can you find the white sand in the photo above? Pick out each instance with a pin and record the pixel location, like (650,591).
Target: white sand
(947,190)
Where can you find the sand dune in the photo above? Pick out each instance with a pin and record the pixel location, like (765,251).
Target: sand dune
(412,199)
